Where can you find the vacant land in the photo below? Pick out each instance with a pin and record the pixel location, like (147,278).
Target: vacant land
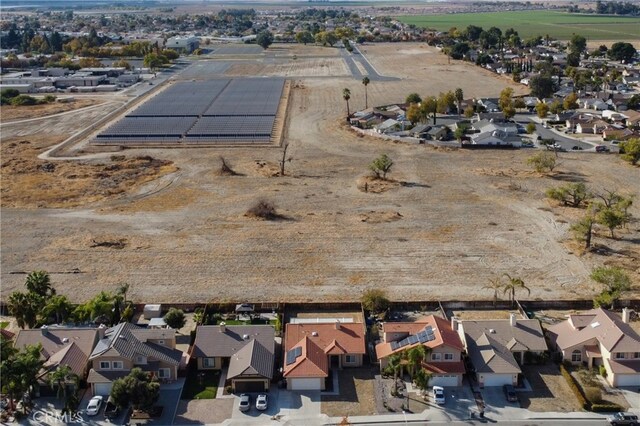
(357,394)
(550,390)
(559,25)
(464,217)
(13,113)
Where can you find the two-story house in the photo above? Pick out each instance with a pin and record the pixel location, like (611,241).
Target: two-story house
(600,337)
(444,361)
(126,346)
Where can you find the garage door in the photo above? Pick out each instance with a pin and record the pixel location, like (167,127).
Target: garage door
(450,381)
(497,379)
(628,380)
(306,384)
(249,386)
(103,389)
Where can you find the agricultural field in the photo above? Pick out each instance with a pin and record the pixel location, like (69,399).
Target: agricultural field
(560,25)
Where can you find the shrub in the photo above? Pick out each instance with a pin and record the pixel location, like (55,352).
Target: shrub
(23,100)
(263,209)
(375,300)
(542,162)
(48,99)
(606,408)
(603,371)
(575,388)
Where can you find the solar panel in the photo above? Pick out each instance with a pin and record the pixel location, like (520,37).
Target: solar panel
(403,343)
(298,351)
(412,340)
(291,357)
(394,346)
(422,337)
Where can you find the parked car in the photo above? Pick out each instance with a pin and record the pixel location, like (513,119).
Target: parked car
(94,406)
(111,410)
(623,419)
(245,402)
(438,395)
(602,148)
(510,393)
(262,402)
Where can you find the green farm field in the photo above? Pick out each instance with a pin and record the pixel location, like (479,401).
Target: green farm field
(560,25)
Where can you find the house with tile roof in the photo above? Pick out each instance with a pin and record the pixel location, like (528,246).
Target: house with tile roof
(69,346)
(497,348)
(246,351)
(444,361)
(312,349)
(600,337)
(126,346)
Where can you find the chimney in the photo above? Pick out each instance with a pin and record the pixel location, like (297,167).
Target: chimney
(44,330)
(626,315)
(223,327)
(454,323)
(101,330)
(512,320)
(337,325)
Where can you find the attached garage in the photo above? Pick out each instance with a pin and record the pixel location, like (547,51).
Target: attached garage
(250,385)
(103,389)
(492,379)
(630,380)
(305,384)
(445,381)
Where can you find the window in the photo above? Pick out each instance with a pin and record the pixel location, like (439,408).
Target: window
(105,365)
(350,359)
(209,362)
(140,359)
(436,357)
(161,342)
(448,357)
(576,356)
(619,355)
(164,373)
(636,354)
(118,365)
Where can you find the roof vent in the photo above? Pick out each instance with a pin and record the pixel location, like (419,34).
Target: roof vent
(314,333)
(245,336)
(492,331)
(595,324)
(65,340)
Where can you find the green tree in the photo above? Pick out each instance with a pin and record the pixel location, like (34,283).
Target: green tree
(542,109)
(365,83)
(63,378)
(413,98)
(459,95)
(556,107)
(541,86)
(459,133)
(512,285)
(583,229)
(395,365)
(469,112)
(381,166)
(571,194)
(615,281)
(542,162)
(571,101)
(413,113)
(264,39)
(170,54)
(622,51)
(375,300)
(138,388)
(25,307)
(577,44)
(175,318)
(612,218)
(631,150)
(531,127)
(304,37)
(57,307)
(421,379)
(346,95)
(152,61)
(19,372)
(39,282)
(415,356)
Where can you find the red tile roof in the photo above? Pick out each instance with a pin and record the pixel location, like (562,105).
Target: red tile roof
(444,367)
(313,362)
(334,338)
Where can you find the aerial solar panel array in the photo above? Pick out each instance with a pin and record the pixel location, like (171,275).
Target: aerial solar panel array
(214,111)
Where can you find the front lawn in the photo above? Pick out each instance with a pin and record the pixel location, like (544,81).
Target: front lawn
(200,384)
(4,324)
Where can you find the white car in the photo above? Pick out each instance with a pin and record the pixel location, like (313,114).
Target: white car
(438,395)
(94,406)
(245,402)
(262,402)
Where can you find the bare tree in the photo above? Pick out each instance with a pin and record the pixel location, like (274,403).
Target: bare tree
(284,159)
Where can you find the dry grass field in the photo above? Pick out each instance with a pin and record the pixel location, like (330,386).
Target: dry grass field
(454,219)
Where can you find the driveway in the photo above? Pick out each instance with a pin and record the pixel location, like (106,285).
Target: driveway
(632,395)
(281,403)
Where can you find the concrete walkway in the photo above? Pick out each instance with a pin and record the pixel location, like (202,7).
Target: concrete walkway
(221,383)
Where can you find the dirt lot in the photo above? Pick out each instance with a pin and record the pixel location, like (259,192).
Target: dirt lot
(12,113)
(464,217)
(206,411)
(356,394)
(550,390)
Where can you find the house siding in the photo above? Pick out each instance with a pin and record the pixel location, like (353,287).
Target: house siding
(357,363)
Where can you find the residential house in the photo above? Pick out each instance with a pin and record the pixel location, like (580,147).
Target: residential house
(126,346)
(312,349)
(489,104)
(247,351)
(497,348)
(444,361)
(69,346)
(618,133)
(600,337)
(596,104)
(633,118)
(586,123)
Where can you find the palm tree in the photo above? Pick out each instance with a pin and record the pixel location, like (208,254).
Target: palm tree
(366,82)
(123,289)
(346,95)
(415,356)
(61,378)
(512,285)
(38,282)
(58,306)
(496,285)
(24,307)
(459,98)
(395,364)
